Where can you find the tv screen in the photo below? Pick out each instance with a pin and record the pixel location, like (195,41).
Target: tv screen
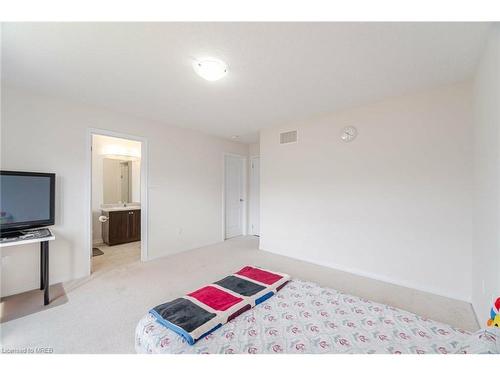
(26,200)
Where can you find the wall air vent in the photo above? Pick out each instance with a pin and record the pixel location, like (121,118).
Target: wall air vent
(288,137)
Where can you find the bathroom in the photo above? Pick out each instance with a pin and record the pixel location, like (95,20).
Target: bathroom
(116,201)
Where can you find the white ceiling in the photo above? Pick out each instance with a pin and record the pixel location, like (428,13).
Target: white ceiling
(278,72)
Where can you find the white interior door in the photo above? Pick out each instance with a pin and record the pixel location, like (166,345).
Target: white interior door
(234,195)
(254,203)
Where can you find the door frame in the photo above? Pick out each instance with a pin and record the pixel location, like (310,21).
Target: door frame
(250,195)
(144,189)
(245,193)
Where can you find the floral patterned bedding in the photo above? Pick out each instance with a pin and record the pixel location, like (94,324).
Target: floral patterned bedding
(306,318)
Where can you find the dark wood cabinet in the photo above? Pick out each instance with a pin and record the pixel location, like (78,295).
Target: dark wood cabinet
(121,227)
(134,225)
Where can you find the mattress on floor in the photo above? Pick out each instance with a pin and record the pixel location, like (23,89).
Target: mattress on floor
(306,318)
(206,309)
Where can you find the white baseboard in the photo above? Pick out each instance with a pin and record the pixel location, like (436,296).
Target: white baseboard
(159,256)
(378,277)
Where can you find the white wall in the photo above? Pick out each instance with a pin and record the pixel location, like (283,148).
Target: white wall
(100,146)
(48,134)
(486,247)
(136,181)
(254,149)
(395,204)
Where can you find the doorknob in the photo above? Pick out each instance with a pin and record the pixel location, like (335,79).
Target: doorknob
(241,200)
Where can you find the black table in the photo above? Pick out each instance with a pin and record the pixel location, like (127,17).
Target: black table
(44,260)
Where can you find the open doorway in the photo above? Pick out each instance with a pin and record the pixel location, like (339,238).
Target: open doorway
(118,207)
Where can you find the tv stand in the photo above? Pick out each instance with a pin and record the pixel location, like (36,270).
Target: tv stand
(43,236)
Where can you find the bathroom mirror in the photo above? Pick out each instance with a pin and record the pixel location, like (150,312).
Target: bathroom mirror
(117,181)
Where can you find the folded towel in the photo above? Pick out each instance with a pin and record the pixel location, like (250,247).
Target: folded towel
(201,312)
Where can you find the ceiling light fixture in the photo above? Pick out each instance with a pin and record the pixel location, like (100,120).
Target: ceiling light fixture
(210,69)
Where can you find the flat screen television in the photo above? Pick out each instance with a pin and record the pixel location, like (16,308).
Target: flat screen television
(27,201)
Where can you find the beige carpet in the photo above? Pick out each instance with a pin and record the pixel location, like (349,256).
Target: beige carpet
(101,313)
(30,302)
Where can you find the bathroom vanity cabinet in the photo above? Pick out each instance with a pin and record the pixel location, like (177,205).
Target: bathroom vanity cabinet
(122,226)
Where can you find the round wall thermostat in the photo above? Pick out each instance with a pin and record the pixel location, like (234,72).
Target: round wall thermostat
(348,134)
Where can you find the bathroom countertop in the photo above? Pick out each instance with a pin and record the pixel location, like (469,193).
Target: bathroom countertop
(127,208)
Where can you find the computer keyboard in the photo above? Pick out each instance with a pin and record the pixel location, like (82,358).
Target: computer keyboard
(31,234)
(35,233)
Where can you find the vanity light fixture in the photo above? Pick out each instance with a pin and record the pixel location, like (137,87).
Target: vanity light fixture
(121,153)
(211,69)
(122,157)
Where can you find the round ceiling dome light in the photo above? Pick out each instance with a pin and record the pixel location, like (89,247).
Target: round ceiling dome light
(210,69)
